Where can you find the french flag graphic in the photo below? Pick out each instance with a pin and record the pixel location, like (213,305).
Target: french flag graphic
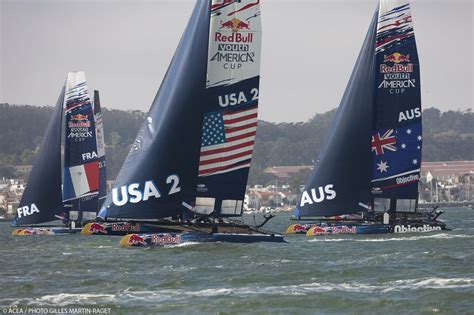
(81,180)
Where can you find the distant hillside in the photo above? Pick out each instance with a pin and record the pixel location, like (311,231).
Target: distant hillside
(447,136)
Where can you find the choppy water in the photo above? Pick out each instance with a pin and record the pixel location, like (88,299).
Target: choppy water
(391,274)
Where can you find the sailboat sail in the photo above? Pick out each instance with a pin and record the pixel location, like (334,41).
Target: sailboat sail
(397,139)
(42,199)
(231,106)
(373,148)
(340,181)
(99,133)
(158,178)
(81,168)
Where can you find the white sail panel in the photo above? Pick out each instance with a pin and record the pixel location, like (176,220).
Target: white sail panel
(234,42)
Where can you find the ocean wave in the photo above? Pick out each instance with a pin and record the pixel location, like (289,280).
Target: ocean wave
(162,295)
(390,239)
(61,299)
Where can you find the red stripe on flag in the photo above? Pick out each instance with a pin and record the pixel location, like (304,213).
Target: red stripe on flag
(245,135)
(239,111)
(231,121)
(92,173)
(226,158)
(229,148)
(229,130)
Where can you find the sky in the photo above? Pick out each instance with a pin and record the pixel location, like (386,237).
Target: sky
(308,52)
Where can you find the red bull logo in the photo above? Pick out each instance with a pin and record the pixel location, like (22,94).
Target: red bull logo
(125,227)
(97,228)
(79,121)
(165,239)
(136,240)
(235,25)
(343,229)
(396,58)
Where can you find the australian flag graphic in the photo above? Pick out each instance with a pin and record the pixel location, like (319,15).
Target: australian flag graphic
(396,161)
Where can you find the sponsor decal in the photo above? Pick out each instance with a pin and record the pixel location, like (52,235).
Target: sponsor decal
(398,84)
(78,134)
(407,179)
(235,25)
(234,54)
(133,194)
(397,74)
(233,38)
(410,229)
(343,229)
(27,211)
(201,188)
(323,230)
(323,193)
(396,58)
(135,239)
(79,125)
(125,227)
(79,121)
(96,228)
(165,239)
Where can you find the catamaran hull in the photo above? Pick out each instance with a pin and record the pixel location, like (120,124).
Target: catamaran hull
(44,231)
(162,239)
(316,229)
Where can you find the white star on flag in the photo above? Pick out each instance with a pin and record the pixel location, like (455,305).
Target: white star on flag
(382,166)
(419,138)
(409,131)
(415,161)
(403,146)
(418,147)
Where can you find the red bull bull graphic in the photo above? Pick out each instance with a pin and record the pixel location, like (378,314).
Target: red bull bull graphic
(96,228)
(133,240)
(396,58)
(299,228)
(235,25)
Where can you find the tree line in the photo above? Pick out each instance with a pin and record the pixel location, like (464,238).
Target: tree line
(447,136)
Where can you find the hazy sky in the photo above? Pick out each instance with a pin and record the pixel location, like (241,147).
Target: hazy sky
(309,49)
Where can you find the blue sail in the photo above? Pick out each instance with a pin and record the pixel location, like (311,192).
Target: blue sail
(99,128)
(397,137)
(373,148)
(158,177)
(81,167)
(230,106)
(340,180)
(42,199)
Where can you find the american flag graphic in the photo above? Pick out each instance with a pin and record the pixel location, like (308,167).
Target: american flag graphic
(227,141)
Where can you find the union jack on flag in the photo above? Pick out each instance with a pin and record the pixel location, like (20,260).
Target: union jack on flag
(227,141)
(386,141)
